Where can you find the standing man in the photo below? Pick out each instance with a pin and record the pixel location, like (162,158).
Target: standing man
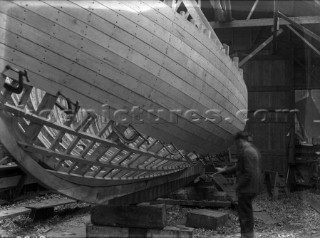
(248,181)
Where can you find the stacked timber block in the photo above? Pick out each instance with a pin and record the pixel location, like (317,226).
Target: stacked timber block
(132,221)
(207,219)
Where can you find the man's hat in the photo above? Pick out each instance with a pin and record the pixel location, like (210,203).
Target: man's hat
(244,135)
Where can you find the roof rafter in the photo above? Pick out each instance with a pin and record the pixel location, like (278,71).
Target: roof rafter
(265,22)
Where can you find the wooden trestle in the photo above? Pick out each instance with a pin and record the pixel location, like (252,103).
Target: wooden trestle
(86,156)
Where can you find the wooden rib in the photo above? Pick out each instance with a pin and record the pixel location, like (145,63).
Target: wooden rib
(98,195)
(90,145)
(44,109)
(64,156)
(56,126)
(199,17)
(82,126)
(176,4)
(25,96)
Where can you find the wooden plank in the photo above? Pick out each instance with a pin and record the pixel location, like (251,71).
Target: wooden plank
(129,216)
(50,203)
(193,203)
(142,33)
(4,214)
(266,22)
(145,34)
(182,27)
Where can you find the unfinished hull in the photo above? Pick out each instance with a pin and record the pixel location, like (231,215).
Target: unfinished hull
(115,56)
(155,91)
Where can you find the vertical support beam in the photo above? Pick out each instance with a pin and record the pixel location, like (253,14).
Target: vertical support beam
(291,149)
(228,10)
(275,26)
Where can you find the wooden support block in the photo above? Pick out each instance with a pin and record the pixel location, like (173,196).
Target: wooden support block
(129,216)
(171,232)
(226,49)
(45,209)
(106,231)
(125,232)
(14,212)
(206,219)
(264,217)
(236,61)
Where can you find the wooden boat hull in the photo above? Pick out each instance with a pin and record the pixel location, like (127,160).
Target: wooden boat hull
(109,169)
(133,62)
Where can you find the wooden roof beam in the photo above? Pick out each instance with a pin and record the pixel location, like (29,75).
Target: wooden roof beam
(265,22)
(298,26)
(304,40)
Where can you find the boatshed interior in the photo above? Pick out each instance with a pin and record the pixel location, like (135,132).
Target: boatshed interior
(66,171)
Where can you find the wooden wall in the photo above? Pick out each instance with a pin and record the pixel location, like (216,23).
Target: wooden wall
(270,87)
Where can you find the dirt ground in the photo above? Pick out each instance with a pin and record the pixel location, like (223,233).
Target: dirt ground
(286,217)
